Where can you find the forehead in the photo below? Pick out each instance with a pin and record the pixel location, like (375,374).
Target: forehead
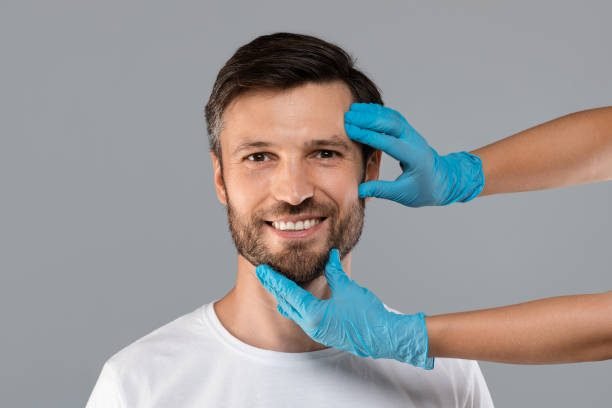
(287,116)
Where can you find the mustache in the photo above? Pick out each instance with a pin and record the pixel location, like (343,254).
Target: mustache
(308,206)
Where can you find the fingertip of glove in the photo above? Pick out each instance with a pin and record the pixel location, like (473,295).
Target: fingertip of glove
(334,253)
(261,271)
(348,116)
(364,106)
(364,190)
(351,129)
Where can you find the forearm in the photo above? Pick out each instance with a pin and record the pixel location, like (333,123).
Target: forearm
(554,330)
(572,149)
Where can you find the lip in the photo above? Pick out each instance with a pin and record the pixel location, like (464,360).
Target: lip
(298,234)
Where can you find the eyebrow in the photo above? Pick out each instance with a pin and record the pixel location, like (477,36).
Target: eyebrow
(333,141)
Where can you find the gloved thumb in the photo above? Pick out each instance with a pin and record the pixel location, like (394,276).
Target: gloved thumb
(333,270)
(377,188)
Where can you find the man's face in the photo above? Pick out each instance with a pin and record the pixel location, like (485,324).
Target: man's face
(290,176)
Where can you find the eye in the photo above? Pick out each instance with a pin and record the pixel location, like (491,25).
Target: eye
(328,154)
(257,157)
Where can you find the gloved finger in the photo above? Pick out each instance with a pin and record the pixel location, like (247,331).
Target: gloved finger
(413,137)
(376,117)
(282,287)
(287,310)
(393,146)
(409,155)
(336,277)
(402,129)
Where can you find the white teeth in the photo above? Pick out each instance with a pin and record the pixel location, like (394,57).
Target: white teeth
(297,226)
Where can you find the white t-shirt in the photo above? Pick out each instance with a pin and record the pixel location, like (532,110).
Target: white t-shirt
(194,361)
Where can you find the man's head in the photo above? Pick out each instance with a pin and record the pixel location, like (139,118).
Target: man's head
(281,156)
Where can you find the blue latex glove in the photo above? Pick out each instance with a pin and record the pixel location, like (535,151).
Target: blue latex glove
(353,319)
(427,178)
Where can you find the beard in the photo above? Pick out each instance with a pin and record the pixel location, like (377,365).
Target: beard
(298,260)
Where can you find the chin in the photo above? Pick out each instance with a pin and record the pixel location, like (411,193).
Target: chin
(292,265)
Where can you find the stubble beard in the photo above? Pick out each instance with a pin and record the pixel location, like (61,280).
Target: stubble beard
(297,260)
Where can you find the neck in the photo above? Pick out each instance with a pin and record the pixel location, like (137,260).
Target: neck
(248,311)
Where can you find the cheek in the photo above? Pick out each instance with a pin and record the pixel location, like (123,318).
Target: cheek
(341,186)
(245,189)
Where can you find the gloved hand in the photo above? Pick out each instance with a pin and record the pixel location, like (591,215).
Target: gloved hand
(427,178)
(353,319)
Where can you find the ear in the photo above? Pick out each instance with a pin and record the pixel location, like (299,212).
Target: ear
(372,169)
(218,178)
(373,166)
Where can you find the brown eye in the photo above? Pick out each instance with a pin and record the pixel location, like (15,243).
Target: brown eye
(328,154)
(258,157)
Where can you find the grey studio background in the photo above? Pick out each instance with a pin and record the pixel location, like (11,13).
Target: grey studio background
(110,228)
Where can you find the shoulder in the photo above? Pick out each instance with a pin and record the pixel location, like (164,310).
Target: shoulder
(160,346)
(128,376)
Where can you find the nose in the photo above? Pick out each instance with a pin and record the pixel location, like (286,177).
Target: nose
(292,182)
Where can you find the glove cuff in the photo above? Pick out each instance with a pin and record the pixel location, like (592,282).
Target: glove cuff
(469,176)
(428,362)
(414,344)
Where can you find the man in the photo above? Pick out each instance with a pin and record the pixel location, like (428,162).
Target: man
(288,175)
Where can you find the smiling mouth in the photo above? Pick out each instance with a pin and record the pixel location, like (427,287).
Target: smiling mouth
(300,225)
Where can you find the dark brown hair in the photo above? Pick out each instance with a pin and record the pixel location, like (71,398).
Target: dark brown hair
(282,61)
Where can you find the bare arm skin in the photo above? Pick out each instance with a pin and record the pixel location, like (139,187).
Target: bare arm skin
(555,330)
(572,149)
